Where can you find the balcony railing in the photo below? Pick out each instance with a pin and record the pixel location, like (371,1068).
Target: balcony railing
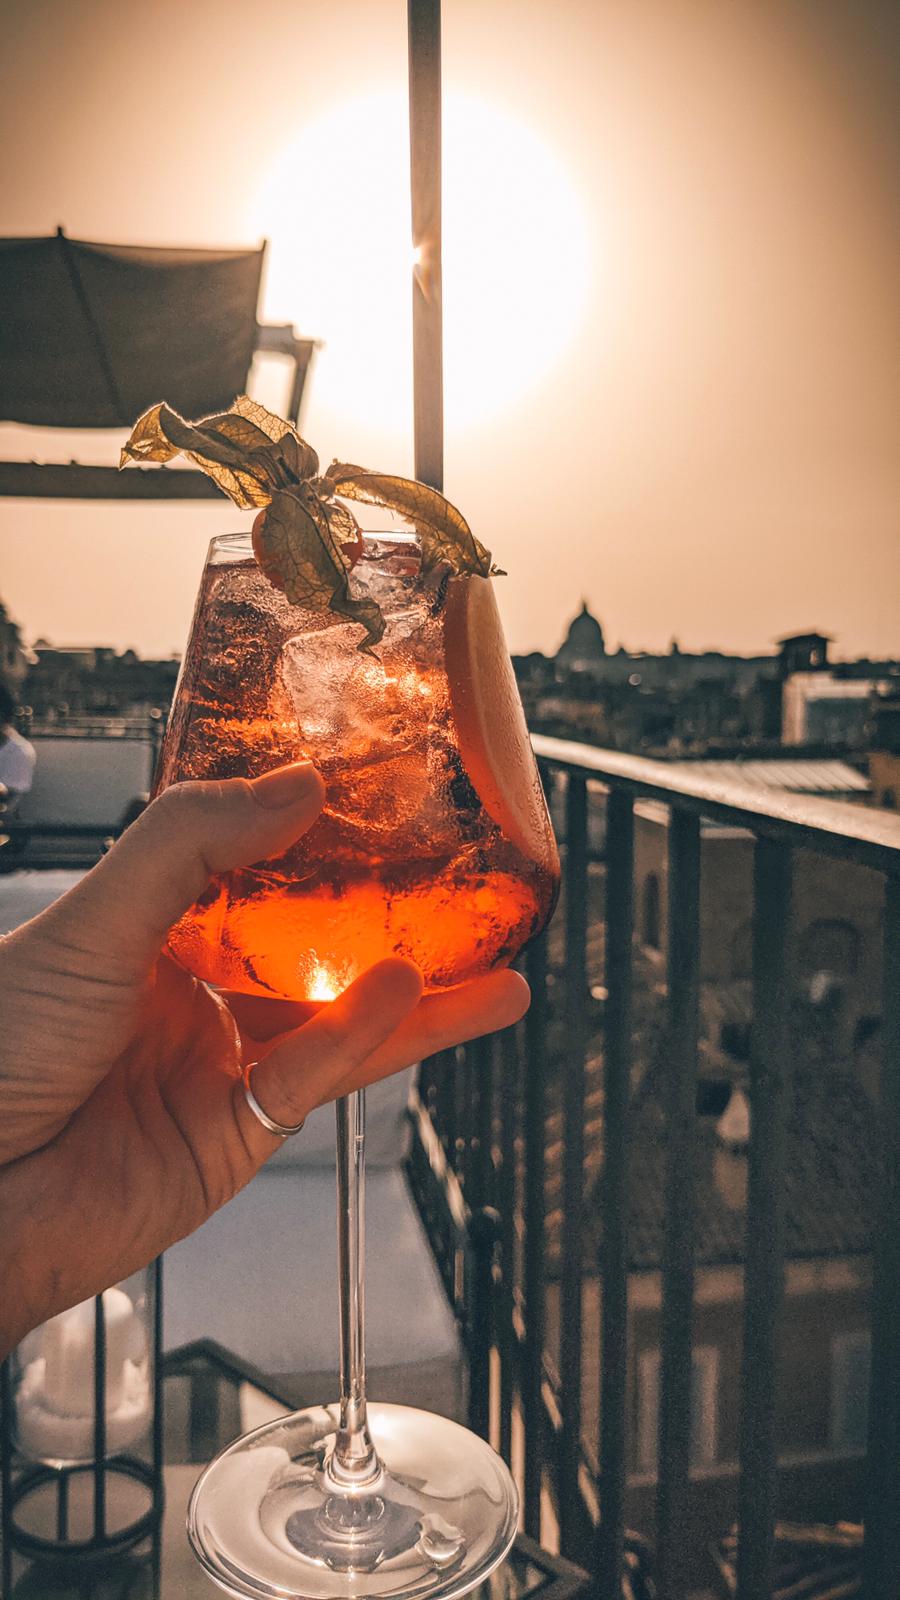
(479,1160)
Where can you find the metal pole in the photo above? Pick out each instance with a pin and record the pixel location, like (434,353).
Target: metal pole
(770,1084)
(882,1552)
(673,1496)
(616,1090)
(573,1266)
(425,185)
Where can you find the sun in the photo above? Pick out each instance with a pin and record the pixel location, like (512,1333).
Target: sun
(335,208)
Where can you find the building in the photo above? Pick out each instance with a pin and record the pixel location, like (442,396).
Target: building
(823,708)
(701,703)
(14,658)
(583,647)
(884,756)
(68,682)
(802,652)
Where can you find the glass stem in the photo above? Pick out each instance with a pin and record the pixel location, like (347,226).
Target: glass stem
(354,1460)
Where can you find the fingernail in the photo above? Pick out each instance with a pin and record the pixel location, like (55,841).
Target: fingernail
(286,786)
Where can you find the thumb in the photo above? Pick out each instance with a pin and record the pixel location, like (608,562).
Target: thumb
(126,905)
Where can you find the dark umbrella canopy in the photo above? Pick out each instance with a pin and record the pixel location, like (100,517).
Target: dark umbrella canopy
(93,334)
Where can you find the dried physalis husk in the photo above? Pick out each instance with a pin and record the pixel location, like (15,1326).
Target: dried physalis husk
(444,534)
(306,541)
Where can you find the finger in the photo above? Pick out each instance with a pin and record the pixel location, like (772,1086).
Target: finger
(440,1021)
(125,906)
(308,1067)
(260,1019)
(481,1006)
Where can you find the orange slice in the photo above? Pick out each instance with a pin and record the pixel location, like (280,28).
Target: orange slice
(493,738)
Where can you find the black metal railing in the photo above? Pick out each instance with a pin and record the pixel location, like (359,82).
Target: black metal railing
(478,1166)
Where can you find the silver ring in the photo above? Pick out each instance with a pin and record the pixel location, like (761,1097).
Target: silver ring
(279,1128)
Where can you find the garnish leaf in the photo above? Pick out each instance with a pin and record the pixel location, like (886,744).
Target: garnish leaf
(301,553)
(236,465)
(147,442)
(307,541)
(299,458)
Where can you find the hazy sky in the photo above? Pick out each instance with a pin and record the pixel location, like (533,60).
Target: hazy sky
(672,257)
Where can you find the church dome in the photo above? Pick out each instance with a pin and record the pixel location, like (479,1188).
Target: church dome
(583,644)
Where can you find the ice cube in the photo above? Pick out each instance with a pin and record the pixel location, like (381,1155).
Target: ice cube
(374,724)
(338,695)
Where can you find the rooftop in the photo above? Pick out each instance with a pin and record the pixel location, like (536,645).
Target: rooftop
(794,776)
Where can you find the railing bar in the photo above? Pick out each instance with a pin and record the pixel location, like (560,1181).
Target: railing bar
(480,1320)
(429,1087)
(508,1345)
(484,1071)
(62,1507)
(616,1088)
(6,1457)
(882,1541)
(479,1196)
(159,1418)
(460,1153)
(471,1114)
(576,1025)
(535,1287)
(683,977)
(99,1473)
(770,1058)
(862,834)
(449,1069)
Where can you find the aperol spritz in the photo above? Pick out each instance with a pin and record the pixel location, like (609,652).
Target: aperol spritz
(434,841)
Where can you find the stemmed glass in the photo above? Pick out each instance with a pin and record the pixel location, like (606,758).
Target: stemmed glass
(435,844)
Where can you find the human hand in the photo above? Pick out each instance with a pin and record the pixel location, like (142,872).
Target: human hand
(123,1123)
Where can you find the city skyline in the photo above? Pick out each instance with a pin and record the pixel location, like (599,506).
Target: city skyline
(35,639)
(767,648)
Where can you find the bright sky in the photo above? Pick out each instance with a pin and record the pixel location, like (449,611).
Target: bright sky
(672,245)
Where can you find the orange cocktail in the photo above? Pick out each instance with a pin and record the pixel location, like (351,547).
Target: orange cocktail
(434,842)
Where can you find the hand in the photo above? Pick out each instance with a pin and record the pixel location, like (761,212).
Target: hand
(123,1123)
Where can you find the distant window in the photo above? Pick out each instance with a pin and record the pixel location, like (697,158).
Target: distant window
(650,919)
(850,1367)
(742,951)
(713,1095)
(704,1408)
(829,945)
(866,1032)
(734,1039)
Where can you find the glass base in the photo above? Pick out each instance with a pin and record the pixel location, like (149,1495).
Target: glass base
(267,1520)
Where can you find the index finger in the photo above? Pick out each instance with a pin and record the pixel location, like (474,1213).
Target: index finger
(261,1019)
(442,1020)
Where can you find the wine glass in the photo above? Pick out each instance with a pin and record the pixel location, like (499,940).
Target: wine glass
(434,843)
